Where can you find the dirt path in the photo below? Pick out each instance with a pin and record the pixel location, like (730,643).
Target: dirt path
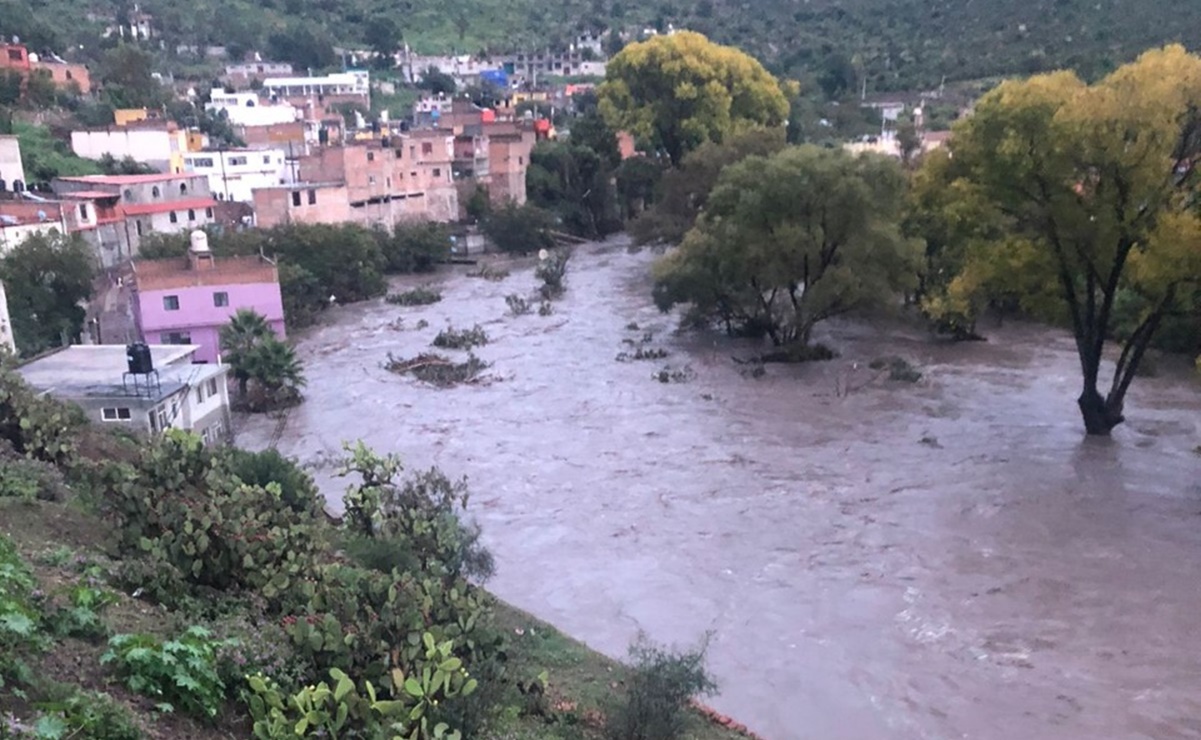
(949,559)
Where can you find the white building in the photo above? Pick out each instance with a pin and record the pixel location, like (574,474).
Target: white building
(234,174)
(245,109)
(6,327)
(176,395)
(16,229)
(160,147)
(355,83)
(12,173)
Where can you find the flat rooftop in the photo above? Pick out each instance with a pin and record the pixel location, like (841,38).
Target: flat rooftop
(97,371)
(179,272)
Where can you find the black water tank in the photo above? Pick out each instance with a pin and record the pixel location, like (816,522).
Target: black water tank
(138,357)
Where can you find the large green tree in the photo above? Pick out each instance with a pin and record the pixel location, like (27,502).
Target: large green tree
(1097,190)
(678,91)
(47,279)
(684,190)
(789,240)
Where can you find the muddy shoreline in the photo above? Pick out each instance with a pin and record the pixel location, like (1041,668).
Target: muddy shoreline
(945,559)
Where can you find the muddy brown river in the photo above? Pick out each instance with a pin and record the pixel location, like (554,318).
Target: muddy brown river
(873,559)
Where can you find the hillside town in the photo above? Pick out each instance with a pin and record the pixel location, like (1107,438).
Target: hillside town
(496,371)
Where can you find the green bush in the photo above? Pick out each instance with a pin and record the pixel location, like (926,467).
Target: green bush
(20,619)
(518,305)
(37,427)
(180,673)
(421,296)
(85,716)
(414,247)
(82,615)
(296,487)
(181,505)
(451,338)
(519,229)
(29,479)
(658,687)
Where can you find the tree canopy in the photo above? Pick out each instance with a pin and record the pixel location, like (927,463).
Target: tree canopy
(46,278)
(789,240)
(1092,193)
(678,91)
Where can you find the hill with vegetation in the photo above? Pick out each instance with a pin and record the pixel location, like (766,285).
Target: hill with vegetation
(837,44)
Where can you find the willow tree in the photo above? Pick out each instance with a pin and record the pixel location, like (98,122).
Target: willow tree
(790,240)
(677,92)
(1097,188)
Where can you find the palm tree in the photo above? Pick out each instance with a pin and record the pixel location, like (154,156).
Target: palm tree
(246,330)
(276,373)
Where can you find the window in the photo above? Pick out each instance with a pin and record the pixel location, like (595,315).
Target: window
(295,197)
(155,191)
(128,195)
(370,156)
(389,181)
(14,55)
(199,394)
(202,162)
(183,188)
(371,179)
(427,148)
(413,174)
(191,214)
(208,212)
(235,161)
(521,160)
(138,225)
(176,337)
(174,217)
(437,172)
(412,152)
(212,386)
(83,211)
(221,299)
(170,303)
(267,160)
(115,414)
(312,197)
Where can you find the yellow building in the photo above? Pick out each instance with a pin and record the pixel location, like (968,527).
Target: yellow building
(126,116)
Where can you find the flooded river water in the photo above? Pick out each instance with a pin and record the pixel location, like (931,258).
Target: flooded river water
(945,559)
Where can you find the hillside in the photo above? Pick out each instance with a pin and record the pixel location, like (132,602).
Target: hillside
(896,43)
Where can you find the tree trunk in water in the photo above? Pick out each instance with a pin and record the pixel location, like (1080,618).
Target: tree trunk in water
(1100,415)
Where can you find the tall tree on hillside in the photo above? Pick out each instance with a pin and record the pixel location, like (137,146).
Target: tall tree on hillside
(383,36)
(1097,188)
(790,240)
(47,277)
(677,92)
(126,75)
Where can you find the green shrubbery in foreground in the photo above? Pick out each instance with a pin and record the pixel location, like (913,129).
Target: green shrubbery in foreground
(270,619)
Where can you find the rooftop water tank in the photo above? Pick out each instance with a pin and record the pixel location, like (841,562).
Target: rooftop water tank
(199,242)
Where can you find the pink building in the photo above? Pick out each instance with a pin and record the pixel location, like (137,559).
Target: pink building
(188,300)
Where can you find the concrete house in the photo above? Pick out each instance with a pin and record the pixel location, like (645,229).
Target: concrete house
(177,394)
(234,174)
(187,300)
(133,206)
(156,142)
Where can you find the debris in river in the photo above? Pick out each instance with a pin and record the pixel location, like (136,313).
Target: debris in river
(438,370)
(669,374)
(642,353)
(518,306)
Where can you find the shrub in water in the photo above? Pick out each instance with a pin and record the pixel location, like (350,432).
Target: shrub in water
(422,296)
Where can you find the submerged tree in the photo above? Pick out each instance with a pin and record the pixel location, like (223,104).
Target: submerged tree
(1097,189)
(790,240)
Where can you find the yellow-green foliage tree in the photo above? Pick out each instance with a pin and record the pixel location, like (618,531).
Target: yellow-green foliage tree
(1096,191)
(677,92)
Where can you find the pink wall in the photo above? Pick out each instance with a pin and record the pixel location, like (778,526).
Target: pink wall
(199,317)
